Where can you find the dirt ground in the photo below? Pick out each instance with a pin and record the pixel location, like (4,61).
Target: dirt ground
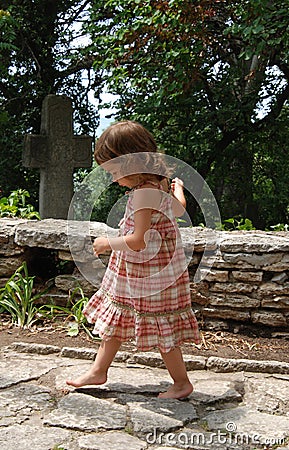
(249,345)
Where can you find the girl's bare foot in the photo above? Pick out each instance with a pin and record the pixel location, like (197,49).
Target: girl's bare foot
(88,378)
(178,391)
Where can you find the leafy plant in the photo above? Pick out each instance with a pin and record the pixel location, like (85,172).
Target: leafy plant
(72,312)
(18,299)
(280,227)
(15,206)
(235,223)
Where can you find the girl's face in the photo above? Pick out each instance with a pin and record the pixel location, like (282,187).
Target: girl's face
(116,173)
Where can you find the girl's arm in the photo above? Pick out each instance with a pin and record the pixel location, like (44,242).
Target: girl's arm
(144,201)
(177,188)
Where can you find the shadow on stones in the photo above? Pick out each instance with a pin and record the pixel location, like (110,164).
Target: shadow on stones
(124,393)
(150,391)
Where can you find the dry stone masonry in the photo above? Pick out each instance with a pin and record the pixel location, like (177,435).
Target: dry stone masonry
(237,278)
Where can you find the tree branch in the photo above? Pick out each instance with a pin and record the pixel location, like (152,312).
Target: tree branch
(82,64)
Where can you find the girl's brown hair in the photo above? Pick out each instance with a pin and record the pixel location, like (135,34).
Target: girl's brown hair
(129,137)
(122,138)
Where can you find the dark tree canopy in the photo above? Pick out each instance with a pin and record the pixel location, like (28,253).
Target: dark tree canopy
(210,79)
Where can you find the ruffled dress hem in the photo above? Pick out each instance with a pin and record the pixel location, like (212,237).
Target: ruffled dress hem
(164,330)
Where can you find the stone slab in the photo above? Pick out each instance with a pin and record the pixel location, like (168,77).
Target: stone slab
(226,313)
(253,241)
(252,277)
(164,415)
(280,277)
(35,437)
(8,228)
(40,349)
(82,353)
(258,427)
(19,402)
(278,302)
(269,318)
(3,281)
(248,260)
(199,239)
(233,300)
(270,288)
(217,391)
(21,370)
(68,283)
(83,412)
(268,394)
(217,364)
(111,440)
(90,353)
(47,233)
(9,265)
(215,275)
(194,362)
(237,288)
(155,360)
(59,234)
(279,266)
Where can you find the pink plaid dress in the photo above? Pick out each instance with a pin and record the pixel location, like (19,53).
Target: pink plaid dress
(145,295)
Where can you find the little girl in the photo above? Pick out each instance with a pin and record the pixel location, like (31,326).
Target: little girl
(145,292)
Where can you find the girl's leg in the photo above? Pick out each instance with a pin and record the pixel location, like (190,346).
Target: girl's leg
(182,386)
(97,374)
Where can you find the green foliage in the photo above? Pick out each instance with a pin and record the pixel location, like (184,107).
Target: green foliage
(15,206)
(236,223)
(95,196)
(279,227)
(18,299)
(110,206)
(210,80)
(7,33)
(262,23)
(71,313)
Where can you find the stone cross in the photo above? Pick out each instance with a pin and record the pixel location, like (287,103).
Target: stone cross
(56,152)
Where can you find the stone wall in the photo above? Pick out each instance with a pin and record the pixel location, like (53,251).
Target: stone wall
(238,279)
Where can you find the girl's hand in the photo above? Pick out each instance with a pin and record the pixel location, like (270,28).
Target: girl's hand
(100,245)
(177,185)
(177,188)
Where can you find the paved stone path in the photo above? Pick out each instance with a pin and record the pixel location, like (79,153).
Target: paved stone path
(232,407)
